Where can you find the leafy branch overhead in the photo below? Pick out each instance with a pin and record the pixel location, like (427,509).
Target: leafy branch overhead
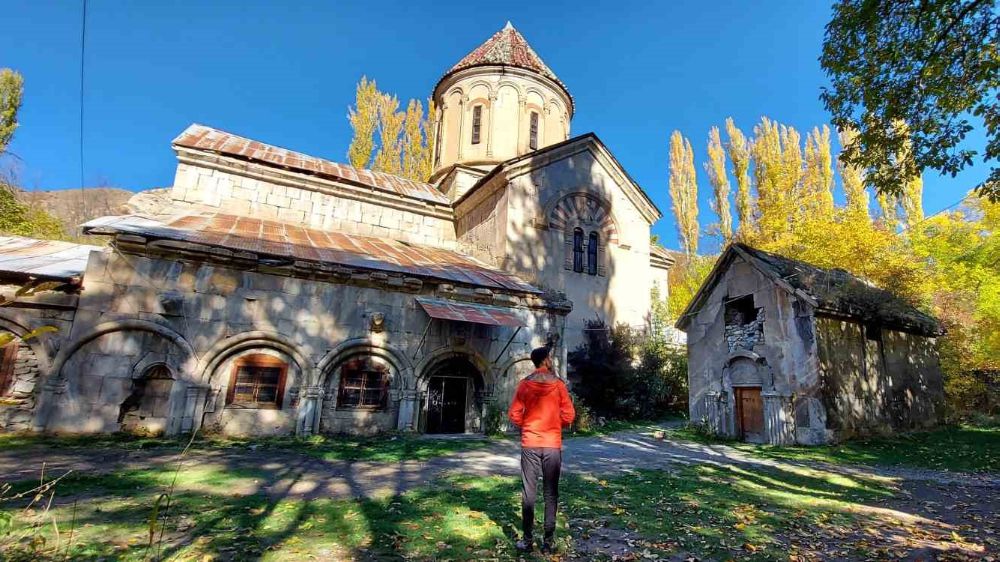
(931,66)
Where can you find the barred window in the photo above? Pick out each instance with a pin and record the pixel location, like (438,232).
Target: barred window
(258,381)
(533,134)
(592,254)
(477,123)
(578,250)
(8,357)
(364,384)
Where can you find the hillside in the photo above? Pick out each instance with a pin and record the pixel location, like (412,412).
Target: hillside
(76,206)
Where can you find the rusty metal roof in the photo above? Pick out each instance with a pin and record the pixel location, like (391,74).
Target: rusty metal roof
(289,241)
(469,312)
(200,137)
(49,259)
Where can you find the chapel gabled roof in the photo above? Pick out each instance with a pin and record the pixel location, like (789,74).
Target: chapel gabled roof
(507,47)
(834,291)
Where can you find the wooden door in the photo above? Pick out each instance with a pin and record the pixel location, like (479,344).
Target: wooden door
(749,411)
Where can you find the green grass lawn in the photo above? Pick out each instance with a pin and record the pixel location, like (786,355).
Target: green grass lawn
(386,448)
(961,448)
(704,511)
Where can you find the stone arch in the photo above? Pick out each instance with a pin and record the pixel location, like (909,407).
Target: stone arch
(582,207)
(227,347)
(424,367)
(480,82)
(42,345)
(188,362)
(356,346)
(746,368)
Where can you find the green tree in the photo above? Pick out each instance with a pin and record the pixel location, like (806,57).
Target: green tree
(716,168)
(684,192)
(20,219)
(11,91)
(931,64)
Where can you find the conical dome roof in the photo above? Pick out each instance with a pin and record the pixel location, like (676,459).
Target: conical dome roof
(507,47)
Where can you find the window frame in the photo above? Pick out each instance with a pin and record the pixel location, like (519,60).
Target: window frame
(593,252)
(533,131)
(578,254)
(386,375)
(477,123)
(262,361)
(8,361)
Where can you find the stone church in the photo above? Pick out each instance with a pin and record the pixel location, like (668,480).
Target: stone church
(272,292)
(784,352)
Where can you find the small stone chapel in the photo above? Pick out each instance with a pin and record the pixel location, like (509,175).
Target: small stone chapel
(272,292)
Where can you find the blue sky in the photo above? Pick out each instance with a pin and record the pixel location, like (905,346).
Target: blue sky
(284,73)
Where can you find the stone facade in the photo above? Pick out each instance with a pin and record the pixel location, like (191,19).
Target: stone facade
(269,292)
(768,361)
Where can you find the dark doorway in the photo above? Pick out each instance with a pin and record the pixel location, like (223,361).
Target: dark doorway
(749,413)
(446,404)
(454,397)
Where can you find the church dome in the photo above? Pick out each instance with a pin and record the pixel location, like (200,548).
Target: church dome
(509,48)
(499,102)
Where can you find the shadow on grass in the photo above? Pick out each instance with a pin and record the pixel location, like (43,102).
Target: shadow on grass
(223,511)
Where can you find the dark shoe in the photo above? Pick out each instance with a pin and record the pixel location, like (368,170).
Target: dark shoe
(526,544)
(549,546)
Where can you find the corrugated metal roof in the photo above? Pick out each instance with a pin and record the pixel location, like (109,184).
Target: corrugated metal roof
(205,138)
(53,259)
(469,312)
(289,241)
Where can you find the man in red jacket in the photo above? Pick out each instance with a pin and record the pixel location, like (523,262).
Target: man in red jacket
(541,408)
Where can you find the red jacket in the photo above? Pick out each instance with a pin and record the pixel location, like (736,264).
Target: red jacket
(541,409)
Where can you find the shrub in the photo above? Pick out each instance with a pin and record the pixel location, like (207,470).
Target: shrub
(627,374)
(493,421)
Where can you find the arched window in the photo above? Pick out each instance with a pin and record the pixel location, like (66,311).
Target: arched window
(258,381)
(578,250)
(592,246)
(477,123)
(533,132)
(364,384)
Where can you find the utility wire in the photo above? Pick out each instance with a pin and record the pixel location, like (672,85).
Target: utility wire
(83,52)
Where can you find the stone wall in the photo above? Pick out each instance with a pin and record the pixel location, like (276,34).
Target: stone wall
(877,380)
(779,357)
(196,317)
(230,186)
(538,254)
(34,355)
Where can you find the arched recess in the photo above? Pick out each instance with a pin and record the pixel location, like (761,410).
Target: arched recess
(188,363)
(60,409)
(426,365)
(227,347)
(365,346)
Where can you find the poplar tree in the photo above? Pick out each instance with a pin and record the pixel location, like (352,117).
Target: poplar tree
(413,141)
(778,172)
(738,149)
(430,127)
(852,178)
(818,179)
(11,91)
(716,168)
(364,119)
(390,127)
(684,192)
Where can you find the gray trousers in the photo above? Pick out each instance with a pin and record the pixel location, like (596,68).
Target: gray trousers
(547,463)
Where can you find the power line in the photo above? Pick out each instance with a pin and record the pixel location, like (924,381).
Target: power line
(83,52)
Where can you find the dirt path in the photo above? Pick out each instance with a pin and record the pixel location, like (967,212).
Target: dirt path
(287,473)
